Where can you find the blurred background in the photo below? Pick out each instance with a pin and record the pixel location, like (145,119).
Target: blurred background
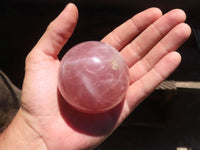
(168,119)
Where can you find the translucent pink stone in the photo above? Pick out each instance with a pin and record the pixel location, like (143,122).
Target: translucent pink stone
(93,77)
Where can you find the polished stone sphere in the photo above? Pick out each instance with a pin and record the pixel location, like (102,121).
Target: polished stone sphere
(93,77)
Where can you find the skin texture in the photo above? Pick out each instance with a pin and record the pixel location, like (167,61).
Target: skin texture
(46,121)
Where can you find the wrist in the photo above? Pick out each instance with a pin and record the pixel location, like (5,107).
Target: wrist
(19,135)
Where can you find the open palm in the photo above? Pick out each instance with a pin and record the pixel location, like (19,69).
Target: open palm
(147,42)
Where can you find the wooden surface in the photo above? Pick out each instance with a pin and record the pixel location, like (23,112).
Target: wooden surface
(174,85)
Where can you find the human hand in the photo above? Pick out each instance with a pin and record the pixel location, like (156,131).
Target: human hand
(147,42)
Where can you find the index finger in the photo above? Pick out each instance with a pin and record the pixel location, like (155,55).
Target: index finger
(123,34)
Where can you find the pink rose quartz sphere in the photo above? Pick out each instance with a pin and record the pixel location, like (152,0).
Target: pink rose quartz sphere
(93,77)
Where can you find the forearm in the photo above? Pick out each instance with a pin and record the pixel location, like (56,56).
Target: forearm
(20,136)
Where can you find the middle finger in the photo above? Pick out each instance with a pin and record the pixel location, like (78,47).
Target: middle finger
(153,34)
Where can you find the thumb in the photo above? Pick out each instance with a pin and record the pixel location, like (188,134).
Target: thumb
(58,32)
